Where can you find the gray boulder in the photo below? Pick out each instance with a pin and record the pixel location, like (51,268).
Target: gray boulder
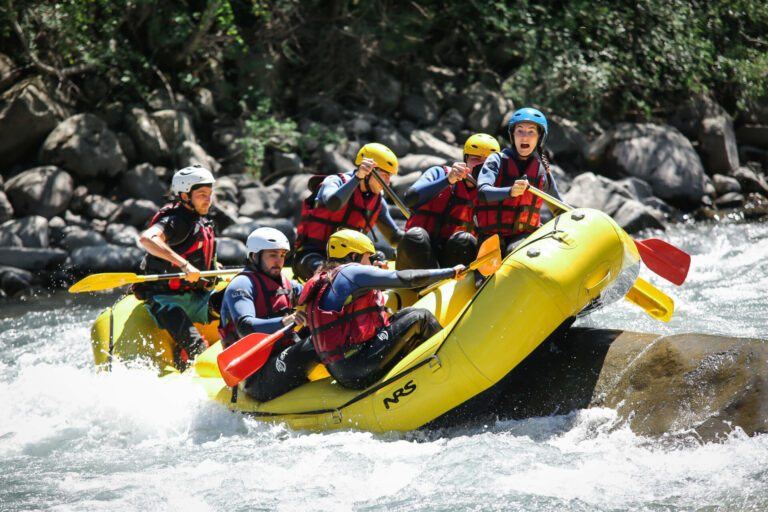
(142,182)
(122,234)
(418,163)
(150,144)
(31,230)
(263,202)
(175,126)
(134,212)
(424,143)
(419,109)
(84,145)
(230,252)
(659,155)
(717,141)
(105,258)
(27,115)
(6,208)
(75,237)
(34,259)
(14,281)
(44,191)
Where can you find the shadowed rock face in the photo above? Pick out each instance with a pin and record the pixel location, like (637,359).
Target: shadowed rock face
(686,383)
(708,384)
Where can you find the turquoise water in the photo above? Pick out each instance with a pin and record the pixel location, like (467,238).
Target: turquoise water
(75,439)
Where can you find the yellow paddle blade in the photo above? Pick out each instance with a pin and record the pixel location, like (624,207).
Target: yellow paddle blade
(655,302)
(98,282)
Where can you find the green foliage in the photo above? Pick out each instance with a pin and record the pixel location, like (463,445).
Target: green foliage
(581,58)
(262,129)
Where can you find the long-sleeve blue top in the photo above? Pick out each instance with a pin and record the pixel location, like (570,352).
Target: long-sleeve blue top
(432,181)
(335,193)
(238,306)
(357,280)
(488,192)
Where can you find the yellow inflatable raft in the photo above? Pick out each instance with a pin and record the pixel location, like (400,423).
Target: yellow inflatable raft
(552,276)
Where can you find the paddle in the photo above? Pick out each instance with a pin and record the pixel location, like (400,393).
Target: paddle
(659,256)
(391,194)
(651,299)
(247,355)
(488,261)
(110,280)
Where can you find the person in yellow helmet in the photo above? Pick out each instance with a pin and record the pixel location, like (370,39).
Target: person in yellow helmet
(441,230)
(352,200)
(351,332)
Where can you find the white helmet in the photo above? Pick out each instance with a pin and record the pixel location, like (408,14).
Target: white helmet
(188,177)
(262,239)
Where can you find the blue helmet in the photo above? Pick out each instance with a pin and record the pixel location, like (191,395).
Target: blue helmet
(531,115)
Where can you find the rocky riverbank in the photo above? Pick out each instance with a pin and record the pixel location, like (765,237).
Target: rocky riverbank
(76,188)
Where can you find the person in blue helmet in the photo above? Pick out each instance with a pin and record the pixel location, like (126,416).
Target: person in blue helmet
(505,206)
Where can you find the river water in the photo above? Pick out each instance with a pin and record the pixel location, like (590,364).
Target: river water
(75,439)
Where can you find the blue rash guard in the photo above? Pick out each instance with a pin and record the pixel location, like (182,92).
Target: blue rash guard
(357,280)
(238,304)
(488,192)
(334,194)
(433,181)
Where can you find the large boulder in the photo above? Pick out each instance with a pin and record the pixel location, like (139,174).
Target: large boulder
(149,140)
(34,259)
(142,182)
(84,145)
(658,155)
(27,115)
(31,230)
(425,143)
(106,258)
(44,191)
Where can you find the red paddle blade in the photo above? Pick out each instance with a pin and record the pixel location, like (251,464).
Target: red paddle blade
(246,356)
(664,259)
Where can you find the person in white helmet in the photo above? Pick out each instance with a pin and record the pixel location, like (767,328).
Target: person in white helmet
(180,239)
(261,299)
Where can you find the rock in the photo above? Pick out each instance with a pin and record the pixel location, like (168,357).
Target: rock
(418,109)
(565,142)
(286,163)
(263,202)
(134,212)
(486,108)
(423,142)
(753,135)
(205,103)
(175,126)
(661,156)
(387,91)
(730,200)
(241,231)
(6,208)
(392,138)
(32,258)
(127,146)
(725,184)
(360,126)
(415,163)
(84,145)
(44,191)
(150,144)
(230,252)
(142,182)
(14,281)
(27,115)
(99,207)
(106,258)
(122,234)
(9,239)
(75,237)
(686,382)
(750,181)
(717,144)
(401,182)
(32,230)
(334,161)
(9,72)
(190,153)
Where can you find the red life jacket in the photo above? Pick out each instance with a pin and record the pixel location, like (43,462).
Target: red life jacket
(449,211)
(513,215)
(317,224)
(198,248)
(270,299)
(336,332)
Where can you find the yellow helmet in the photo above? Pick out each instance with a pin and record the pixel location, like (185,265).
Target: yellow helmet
(482,145)
(345,241)
(383,156)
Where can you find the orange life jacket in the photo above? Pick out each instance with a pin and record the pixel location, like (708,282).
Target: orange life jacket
(515,214)
(318,223)
(270,299)
(449,211)
(336,332)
